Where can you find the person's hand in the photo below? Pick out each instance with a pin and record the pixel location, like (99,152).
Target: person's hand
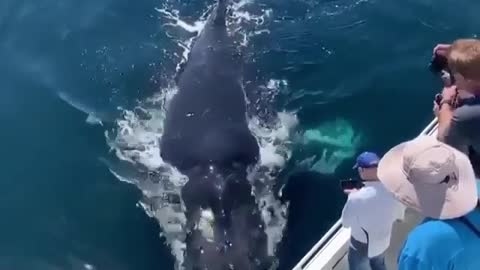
(348,191)
(449,92)
(447,82)
(441,49)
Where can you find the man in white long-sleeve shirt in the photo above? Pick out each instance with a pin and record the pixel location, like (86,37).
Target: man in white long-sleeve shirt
(370,213)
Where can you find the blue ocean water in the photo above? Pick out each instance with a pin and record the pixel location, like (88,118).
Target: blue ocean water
(355,67)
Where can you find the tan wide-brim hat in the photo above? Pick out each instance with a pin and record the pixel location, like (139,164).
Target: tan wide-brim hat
(431,177)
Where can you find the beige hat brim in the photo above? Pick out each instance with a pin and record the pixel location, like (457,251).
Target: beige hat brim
(441,201)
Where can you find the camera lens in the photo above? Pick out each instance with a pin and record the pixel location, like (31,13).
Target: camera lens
(438,63)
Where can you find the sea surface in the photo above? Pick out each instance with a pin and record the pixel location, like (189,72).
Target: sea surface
(82,90)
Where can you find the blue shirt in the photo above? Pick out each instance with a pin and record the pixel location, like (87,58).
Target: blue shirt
(443,244)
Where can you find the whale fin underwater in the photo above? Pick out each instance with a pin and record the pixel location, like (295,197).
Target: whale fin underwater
(206,136)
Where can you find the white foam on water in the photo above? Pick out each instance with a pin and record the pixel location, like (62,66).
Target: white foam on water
(92,117)
(243,19)
(275,151)
(275,140)
(121,178)
(175,21)
(93,120)
(136,141)
(205,224)
(196,27)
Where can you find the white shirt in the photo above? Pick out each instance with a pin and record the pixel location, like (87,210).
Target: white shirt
(375,210)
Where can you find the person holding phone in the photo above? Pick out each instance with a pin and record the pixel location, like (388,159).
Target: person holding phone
(369,212)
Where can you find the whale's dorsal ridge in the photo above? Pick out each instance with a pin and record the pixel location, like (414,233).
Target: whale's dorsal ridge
(220,13)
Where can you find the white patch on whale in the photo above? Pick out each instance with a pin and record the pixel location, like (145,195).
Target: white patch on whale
(339,141)
(205,225)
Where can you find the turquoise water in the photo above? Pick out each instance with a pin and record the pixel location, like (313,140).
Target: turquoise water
(360,61)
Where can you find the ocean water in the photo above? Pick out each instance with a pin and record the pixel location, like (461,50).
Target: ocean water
(83,90)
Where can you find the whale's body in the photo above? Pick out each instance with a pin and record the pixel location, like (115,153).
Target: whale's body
(206,136)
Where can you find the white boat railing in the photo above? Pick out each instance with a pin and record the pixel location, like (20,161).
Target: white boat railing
(336,231)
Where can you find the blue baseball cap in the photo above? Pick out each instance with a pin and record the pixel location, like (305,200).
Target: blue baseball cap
(367,160)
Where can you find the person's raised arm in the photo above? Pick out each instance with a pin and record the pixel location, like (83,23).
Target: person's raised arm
(445,112)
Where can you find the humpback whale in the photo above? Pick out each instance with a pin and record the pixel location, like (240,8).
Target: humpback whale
(206,136)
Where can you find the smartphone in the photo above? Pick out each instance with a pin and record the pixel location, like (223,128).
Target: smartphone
(351,184)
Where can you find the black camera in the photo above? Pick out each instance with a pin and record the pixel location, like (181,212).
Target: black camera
(351,184)
(438,64)
(438,99)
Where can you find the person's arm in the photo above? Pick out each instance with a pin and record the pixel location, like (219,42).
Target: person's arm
(458,131)
(445,112)
(445,115)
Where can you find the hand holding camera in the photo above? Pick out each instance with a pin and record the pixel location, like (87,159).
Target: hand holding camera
(439,66)
(351,185)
